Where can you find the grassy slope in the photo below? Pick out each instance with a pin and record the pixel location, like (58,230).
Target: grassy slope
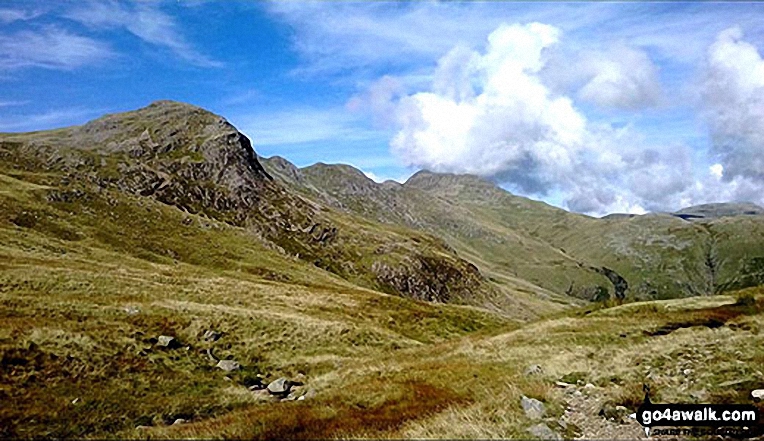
(69,271)
(471,387)
(381,365)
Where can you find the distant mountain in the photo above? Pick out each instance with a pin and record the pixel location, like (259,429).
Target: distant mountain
(523,244)
(714,211)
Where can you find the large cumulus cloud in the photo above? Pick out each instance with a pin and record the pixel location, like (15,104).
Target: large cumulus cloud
(490,112)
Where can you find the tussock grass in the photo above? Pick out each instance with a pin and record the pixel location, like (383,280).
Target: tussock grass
(79,310)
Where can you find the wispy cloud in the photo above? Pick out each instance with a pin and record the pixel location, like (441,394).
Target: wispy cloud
(10,15)
(303,125)
(51,48)
(146,22)
(48,120)
(13,103)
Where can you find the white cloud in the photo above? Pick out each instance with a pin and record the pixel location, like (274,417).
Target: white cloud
(512,128)
(734,98)
(145,22)
(716,170)
(622,78)
(51,48)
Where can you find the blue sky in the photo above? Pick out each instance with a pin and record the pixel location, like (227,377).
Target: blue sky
(594,107)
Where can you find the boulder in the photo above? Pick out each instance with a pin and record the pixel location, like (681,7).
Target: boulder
(543,431)
(165,341)
(280,386)
(534,409)
(228,365)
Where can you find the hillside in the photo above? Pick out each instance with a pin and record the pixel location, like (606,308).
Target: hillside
(188,158)
(513,239)
(156,275)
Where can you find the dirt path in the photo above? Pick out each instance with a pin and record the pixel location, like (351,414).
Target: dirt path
(583,411)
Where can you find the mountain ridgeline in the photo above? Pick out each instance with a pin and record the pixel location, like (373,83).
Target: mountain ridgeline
(437,237)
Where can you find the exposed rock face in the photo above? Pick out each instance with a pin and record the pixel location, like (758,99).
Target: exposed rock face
(619,283)
(426,278)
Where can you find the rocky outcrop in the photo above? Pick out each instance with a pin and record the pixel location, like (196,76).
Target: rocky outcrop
(428,278)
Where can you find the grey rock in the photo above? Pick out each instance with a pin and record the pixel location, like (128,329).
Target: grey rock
(534,370)
(165,341)
(178,421)
(132,310)
(280,386)
(543,431)
(757,395)
(534,409)
(228,365)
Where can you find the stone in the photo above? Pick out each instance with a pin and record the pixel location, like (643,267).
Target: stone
(132,310)
(165,341)
(280,386)
(612,412)
(534,370)
(534,409)
(179,421)
(228,365)
(543,431)
(589,386)
(301,398)
(211,336)
(757,395)
(562,384)
(687,372)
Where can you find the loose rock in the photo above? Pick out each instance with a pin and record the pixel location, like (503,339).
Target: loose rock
(757,395)
(544,432)
(534,409)
(178,421)
(165,341)
(280,386)
(228,365)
